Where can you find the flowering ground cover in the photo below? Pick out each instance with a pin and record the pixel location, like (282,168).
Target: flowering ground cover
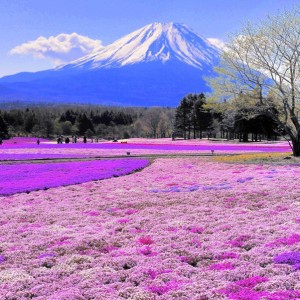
(184,228)
(56,153)
(39,156)
(24,140)
(26,177)
(23,149)
(165,147)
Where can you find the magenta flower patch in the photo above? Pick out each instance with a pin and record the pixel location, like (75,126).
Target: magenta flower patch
(154,273)
(92,213)
(164,288)
(239,241)
(243,289)
(227,255)
(146,240)
(221,266)
(287,241)
(195,229)
(147,251)
(251,282)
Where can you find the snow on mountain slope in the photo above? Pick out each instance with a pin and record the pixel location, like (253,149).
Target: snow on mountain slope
(154,42)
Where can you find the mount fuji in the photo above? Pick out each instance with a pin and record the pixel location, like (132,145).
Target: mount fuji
(153,66)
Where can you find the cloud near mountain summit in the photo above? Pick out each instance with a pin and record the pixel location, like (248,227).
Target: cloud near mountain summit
(217,43)
(60,49)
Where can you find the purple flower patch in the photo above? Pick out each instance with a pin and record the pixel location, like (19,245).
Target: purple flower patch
(30,177)
(290,258)
(242,180)
(47,255)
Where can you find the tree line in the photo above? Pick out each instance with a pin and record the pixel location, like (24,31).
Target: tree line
(91,121)
(242,119)
(195,117)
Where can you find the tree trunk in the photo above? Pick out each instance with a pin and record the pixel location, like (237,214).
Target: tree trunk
(296,147)
(245,137)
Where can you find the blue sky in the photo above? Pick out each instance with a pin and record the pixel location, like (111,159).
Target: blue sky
(99,22)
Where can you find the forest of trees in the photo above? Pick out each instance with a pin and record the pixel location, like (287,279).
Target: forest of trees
(194,117)
(241,119)
(92,121)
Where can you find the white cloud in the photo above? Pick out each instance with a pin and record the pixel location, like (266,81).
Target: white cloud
(218,43)
(60,49)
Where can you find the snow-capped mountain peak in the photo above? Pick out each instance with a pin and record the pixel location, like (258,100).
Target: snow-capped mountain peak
(152,66)
(155,42)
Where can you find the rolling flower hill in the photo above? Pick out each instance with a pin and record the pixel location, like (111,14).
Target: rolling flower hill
(155,65)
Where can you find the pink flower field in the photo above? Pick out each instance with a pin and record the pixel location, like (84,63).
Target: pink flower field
(181,228)
(26,148)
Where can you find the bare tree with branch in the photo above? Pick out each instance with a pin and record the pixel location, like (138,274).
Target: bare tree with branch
(266,56)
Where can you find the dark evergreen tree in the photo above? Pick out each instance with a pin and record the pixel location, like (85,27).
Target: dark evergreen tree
(84,123)
(3,128)
(242,125)
(192,116)
(202,116)
(30,121)
(182,116)
(107,117)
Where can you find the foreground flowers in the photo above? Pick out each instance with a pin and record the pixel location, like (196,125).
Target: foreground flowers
(184,228)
